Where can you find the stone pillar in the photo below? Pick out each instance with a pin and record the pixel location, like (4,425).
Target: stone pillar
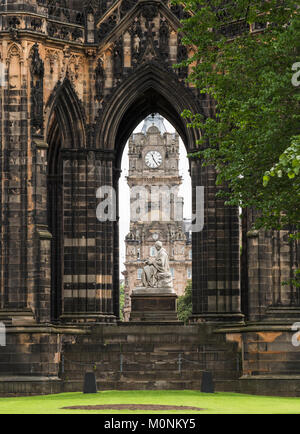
(41,260)
(272,258)
(87,243)
(216,254)
(116,248)
(15,162)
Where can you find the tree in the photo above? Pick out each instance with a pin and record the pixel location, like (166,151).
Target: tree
(252,134)
(185,307)
(122,299)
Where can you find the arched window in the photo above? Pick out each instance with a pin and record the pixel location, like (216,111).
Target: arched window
(140,272)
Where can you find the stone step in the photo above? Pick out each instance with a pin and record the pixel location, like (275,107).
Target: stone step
(142,360)
(72,386)
(146,350)
(150,375)
(143,375)
(150,357)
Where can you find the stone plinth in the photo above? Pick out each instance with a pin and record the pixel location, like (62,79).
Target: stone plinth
(154,305)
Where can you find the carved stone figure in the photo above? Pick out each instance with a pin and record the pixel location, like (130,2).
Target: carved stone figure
(37,65)
(157,271)
(164,34)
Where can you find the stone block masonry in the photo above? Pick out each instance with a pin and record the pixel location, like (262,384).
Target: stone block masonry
(76,82)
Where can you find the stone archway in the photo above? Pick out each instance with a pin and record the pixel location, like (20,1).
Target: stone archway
(150,89)
(67,144)
(85,252)
(216,274)
(87,139)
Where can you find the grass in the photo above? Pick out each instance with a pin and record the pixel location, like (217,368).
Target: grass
(219,403)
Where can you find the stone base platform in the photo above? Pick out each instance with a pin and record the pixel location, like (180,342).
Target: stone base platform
(155,305)
(254,359)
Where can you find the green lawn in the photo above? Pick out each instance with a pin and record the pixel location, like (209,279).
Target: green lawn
(219,403)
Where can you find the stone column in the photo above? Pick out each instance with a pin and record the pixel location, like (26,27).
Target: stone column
(41,260)
(116,250)
(15,173)
(272,258)
(88,243)
(216,254)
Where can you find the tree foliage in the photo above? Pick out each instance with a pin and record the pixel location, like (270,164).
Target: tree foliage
(252,135)
(185,307)
(122,300)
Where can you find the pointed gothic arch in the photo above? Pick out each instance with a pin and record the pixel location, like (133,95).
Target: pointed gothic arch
(149,89)
(65,108)
(65,132)
(153,88)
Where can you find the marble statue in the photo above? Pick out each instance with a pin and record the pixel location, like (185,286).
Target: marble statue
(157,271)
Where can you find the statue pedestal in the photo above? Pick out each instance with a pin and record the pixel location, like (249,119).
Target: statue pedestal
(155,305)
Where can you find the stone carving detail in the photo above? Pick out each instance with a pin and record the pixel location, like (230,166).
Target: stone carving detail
(107,26)
(73,65)
(118,61)
(110,23)
(36,25)
(164,34)
(13,28)
(65,32)
(99,76)
(53,57)
(179,12)
(126,6)
(14,23)
(149,12)
(59,9)
(51,29)
(136,40)
(37,87)
(37,65)
(150,45)
(157,271)
(182,54)
(76,34)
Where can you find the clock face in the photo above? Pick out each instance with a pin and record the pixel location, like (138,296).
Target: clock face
(153,159)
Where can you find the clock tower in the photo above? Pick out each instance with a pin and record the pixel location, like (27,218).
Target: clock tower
(154,168)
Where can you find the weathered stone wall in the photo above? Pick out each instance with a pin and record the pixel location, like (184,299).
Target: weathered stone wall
(138,357)
(76,79)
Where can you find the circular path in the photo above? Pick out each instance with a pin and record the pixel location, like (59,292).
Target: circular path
(133,407)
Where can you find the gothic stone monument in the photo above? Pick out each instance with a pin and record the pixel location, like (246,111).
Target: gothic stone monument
(77,77)
(156,300)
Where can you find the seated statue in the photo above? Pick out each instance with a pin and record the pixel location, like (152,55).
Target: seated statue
(157,271)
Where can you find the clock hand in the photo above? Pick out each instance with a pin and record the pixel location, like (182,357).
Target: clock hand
(154,159)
